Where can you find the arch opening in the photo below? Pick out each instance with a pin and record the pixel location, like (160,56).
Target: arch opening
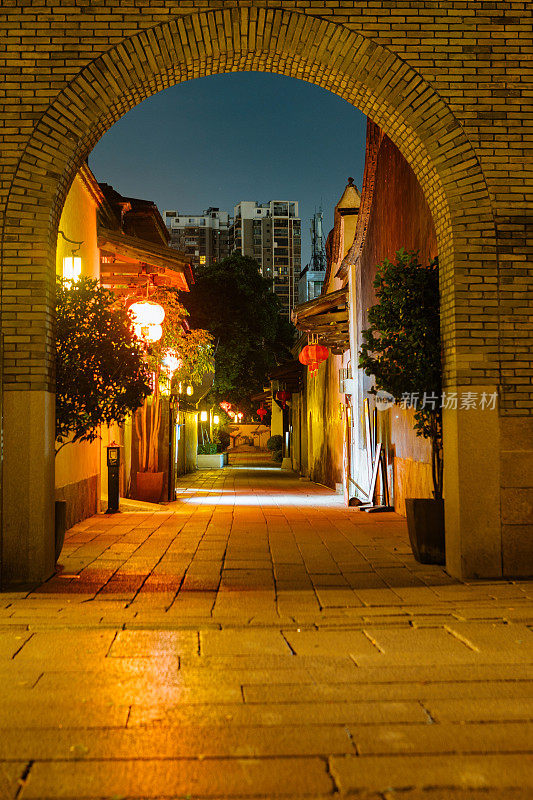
(373,79)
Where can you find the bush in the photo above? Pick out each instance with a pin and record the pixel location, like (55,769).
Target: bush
(101,376)
(207,449)
(224,439)
(277,456)
(275,443)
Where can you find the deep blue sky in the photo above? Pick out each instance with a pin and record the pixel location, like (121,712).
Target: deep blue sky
(245,136)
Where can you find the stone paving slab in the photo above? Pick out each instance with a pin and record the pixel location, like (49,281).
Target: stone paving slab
(174,778)
(191,741)
(257,639)
(382,773)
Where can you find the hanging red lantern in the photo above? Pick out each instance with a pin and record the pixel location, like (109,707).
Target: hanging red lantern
(283,395)
(312,356)
(305,356)
(225,406)
(262,412)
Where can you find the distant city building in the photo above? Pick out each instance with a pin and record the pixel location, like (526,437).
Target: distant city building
(271,233)
(204,238)
(313,274)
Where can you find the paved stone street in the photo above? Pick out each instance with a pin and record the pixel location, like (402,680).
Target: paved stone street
(257,639)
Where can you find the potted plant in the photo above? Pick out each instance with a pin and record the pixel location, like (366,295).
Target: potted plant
(275,445)
(402,350)
(181,355)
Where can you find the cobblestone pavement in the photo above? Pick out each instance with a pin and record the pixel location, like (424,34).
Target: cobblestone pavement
(256,639)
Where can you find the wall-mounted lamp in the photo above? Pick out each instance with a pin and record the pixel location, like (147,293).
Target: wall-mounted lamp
(71,268)
(203,416)
(216,419)
(189,390)
(72,263)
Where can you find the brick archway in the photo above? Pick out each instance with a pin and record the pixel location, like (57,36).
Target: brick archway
(234,38)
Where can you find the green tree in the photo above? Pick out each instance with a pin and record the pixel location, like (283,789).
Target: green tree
(402,348)
(236,305)
(193,349)
(100,372)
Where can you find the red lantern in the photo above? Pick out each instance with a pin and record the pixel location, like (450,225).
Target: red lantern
(283,395)
(305,356)
(225,406)
(261,413)
(312,355)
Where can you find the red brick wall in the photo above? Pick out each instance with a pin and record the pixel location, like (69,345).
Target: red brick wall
(399,217)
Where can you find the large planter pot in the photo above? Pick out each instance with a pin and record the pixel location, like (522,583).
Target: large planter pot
(425,523)
(150,486)
(60,525)
(212,461)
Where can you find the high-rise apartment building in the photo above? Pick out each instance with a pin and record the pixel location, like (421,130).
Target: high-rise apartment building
(204,238)
(271,233)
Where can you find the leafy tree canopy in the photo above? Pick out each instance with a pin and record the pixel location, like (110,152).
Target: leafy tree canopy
(236,305)
(100,372)
(194,347)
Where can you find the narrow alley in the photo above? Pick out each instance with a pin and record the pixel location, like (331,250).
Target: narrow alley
(257,639)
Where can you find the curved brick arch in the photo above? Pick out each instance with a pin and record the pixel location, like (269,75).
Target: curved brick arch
(134,61)
(353,67)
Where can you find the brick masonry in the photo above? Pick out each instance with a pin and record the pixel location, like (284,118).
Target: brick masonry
(447,81)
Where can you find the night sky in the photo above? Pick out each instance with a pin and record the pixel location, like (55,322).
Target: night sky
(245,136)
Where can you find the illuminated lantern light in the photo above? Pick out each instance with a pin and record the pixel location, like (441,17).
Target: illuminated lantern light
(147,313)
(71,268)
(283,395)
(150,333)
(261,413)
(171,361)
(225,406)
(216,419)
(189,390)
(203,416)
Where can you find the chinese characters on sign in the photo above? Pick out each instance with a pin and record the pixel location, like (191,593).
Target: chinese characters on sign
(449,400)
(431,401)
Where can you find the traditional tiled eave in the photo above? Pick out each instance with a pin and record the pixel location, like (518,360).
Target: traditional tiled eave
(327,317)
(128,262)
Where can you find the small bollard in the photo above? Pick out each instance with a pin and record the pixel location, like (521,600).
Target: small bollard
(113,488)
